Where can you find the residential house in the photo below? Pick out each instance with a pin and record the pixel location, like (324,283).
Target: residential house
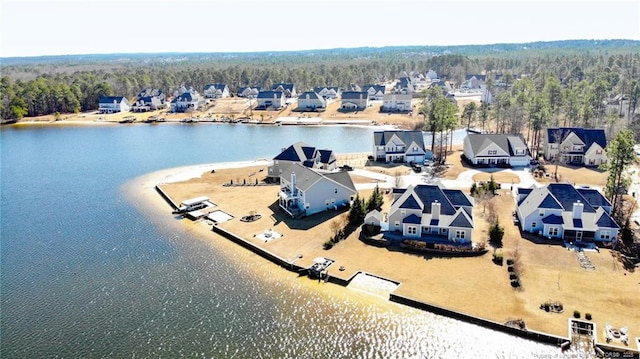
(328,92)
(562,211)
(432,213)
(305,191)
(375,92)
(188,100)
(216,90)
(304,154)
(270,99)
(577,146)
(397,102)
(496,149)
(149,100)
(311,101)
(249,92)
(399,146)
(444,85)
(473,82)
(288,89)
(354,100)
(113,104)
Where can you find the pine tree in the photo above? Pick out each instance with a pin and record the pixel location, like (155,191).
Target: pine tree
(375,201)
(357,211)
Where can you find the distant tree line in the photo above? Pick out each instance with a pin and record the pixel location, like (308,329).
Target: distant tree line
(568,80)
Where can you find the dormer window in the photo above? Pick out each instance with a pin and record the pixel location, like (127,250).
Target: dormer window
(492,152)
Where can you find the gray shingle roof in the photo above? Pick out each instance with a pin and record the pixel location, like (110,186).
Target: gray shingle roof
(480,141)
(380,138)
(587,135)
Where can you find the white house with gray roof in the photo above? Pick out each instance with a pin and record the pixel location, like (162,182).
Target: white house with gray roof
(562,211)
(397,102)
(216,90)
(577,146)
(305,191)
(311,101)
(399,146)
(432,213)
(271,99)
(495,149)
(354,100)
(303,154)
(375,92)
(328,92)
(288,89)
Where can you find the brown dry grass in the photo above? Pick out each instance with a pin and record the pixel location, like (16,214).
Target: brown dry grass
(475,286)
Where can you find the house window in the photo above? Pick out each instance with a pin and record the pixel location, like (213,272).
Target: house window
(492,152)
(326,202)
(553,231)
(598,152)
(411,230)
(542,213)
(335,190)
(534,225)
(397,223)
(403,212)
(460,234)
(443,230)
(605,235)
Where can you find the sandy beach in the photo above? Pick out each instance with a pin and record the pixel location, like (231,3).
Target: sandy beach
(475,286)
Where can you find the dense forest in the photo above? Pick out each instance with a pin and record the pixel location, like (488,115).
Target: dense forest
(569,81)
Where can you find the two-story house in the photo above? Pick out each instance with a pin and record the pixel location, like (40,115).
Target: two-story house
(354,101)
(397,102)
(305,191)
(399,146)
(374,92)
(270,99)
(113,104)
(562,211)
(249,92)
(188,100)
(149,100)
(432,213)
(328,92)
(496,149)
(216,90)
(578,146)
(311,101)
(304,154)
(288,89)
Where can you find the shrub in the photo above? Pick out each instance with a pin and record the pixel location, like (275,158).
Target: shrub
(513,276)
(587,316)
(576,314)
(509,261)
(515,283)
(496,232)
(327,245)
(510,268)
(498,258)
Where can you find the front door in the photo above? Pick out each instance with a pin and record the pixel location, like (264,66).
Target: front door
(578,236)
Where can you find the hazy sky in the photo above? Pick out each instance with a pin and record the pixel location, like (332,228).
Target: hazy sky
(49,27)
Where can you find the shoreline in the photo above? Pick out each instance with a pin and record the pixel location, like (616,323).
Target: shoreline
(150,182)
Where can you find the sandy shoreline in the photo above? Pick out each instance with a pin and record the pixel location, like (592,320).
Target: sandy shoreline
(446,289)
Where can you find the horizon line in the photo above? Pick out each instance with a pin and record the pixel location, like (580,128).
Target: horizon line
(308,50)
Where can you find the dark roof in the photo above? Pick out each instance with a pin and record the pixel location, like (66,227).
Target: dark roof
(410,203)
(285,86)
(311,95)
(290,153)
(586,135)
(605,221)
(380,138)
(457,197)
(354,95)
(480,141)
(301,152)
(461,221)
(377,88)
(594,198)
(111,99)
(431,193)
(325,156)
(216,86)
(477,76)
(552,219)
(567,195)
(320,88)
(413,219)
(549,202)
(270,94)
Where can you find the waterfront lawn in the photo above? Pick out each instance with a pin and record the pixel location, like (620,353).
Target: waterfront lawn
(475,286)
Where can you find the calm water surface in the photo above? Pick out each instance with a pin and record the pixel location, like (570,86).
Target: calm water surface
(85,273)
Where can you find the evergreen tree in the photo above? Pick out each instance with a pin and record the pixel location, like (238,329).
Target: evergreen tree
(375,201)
(357,211)
(620,155)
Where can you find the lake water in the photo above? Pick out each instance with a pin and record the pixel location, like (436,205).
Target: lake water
(86,273)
